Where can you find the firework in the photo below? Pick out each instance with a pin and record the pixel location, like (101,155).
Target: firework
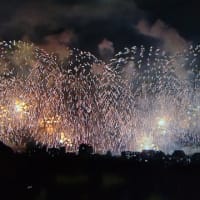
(142,98)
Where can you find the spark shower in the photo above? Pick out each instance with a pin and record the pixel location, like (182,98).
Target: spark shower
(143,98)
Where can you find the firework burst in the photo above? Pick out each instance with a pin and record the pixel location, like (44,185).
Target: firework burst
(142,98)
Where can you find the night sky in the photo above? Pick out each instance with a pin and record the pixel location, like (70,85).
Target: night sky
(94,25)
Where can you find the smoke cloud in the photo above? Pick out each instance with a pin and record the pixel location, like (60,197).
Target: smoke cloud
(171,40)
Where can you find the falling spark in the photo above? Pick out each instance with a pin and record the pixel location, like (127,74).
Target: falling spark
(137,101)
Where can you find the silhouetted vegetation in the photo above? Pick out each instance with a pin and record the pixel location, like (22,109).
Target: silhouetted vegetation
(42,173)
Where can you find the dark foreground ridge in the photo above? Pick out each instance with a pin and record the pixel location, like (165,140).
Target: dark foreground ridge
(42,174)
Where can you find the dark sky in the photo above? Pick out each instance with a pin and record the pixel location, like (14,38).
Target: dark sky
(91,24)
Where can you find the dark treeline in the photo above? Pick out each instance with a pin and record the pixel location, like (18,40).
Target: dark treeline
(42,174)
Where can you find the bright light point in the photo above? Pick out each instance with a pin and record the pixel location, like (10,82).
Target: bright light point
(20,106)
(161,122)
(65,140)
(147,144)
